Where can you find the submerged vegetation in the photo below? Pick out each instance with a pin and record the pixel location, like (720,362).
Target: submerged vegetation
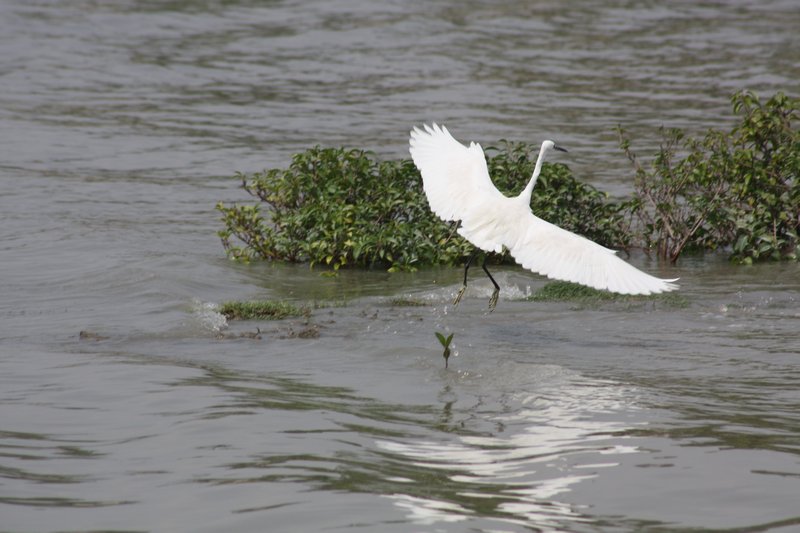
(565,291)
(261,310)
(738,191)
(556,291)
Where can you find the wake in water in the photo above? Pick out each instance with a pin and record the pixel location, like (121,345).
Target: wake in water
(207,315)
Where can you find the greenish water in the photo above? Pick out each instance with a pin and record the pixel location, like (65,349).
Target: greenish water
(120,123)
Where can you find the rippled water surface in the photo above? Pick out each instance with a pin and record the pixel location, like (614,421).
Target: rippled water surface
(120,126)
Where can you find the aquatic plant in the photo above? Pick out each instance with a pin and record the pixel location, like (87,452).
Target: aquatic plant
(445,342)
(343,208)
(736,190)
(557,291)
(261,310)
(564,291)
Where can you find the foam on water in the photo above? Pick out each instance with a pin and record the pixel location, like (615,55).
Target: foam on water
(208,316)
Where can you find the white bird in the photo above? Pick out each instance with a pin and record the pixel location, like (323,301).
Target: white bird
(457,183)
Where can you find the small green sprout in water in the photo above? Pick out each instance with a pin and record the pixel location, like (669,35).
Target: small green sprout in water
(260,310)
(445,341)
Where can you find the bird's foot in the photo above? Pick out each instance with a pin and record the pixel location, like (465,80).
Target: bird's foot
(493,300)
(459,295)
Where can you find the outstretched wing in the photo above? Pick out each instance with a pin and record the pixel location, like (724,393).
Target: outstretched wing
(556,253)
(457,184)
(454,177)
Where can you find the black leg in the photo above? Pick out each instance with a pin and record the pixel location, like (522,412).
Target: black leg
(496,293)
(466,270)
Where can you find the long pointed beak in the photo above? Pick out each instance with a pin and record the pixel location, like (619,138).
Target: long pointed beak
(559,148)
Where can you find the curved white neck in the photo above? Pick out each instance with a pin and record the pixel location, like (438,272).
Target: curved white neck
(525,195)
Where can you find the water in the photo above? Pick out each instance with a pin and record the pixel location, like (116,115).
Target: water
(121,123)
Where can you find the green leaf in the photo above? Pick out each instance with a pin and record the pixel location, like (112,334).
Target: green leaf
(442,339)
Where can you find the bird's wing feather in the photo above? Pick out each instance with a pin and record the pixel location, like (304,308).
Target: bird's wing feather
(457,184)
(454,176)
(559,254)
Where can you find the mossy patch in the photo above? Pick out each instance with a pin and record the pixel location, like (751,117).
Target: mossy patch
(261,310)
(564,291)
(561,291)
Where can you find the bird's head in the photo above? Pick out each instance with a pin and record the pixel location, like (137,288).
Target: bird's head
(550,144)
(525,195)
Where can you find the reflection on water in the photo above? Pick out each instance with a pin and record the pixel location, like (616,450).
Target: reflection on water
(552,440)
(542,444)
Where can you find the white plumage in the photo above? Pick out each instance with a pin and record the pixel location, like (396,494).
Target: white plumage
(457,184)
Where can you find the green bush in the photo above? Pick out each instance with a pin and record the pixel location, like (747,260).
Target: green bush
(738,190)
(340,207)
(344,208)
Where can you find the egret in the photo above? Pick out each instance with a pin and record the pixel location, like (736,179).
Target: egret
(457,183)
